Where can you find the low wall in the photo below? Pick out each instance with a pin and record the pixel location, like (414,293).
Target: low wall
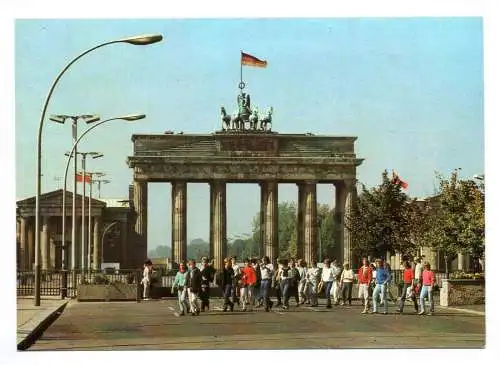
(455,292)
(108,292)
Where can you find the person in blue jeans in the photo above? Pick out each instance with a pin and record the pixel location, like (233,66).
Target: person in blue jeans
(228,285)
(327,277)
(266,271)
(381,279)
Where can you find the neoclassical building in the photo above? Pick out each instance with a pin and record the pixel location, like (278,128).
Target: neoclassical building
(116,247)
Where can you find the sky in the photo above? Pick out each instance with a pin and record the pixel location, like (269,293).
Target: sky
(410,89)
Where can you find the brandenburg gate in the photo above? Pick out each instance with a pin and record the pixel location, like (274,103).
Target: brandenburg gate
(246,155)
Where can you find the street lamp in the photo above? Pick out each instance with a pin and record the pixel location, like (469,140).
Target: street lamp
(84,178)
(89,235)
(128,118)
(61,118)
(136,40)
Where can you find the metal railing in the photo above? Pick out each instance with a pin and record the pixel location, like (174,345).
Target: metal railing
(64,283)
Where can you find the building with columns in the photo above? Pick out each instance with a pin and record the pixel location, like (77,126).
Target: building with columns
(246,156)
(116,246)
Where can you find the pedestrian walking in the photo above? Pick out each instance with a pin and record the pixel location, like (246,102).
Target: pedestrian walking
(277,283)
(364,280)
(256,297)
(182,291)
(146,279)
(207,277)
(428,281)
(346,280)
(247,282)
(381,280)
(237,277)
(266,274)
(408,283)
(294,281)
(327,278)
(227,285)
(194,287)
(335,291)
(313,279)
(302,269)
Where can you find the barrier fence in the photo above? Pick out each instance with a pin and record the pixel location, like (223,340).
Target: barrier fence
(64,283)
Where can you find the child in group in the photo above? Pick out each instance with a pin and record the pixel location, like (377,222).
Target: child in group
(182,292)
(266,274)
(428,280)
(346,281)
(302,269)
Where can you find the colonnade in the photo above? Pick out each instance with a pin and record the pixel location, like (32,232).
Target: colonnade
(51,245)
(306,227)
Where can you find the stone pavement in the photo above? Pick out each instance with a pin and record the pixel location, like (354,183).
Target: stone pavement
(31,319)
(152,325)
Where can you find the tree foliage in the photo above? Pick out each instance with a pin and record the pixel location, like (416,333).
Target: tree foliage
(381,221)
(455,219)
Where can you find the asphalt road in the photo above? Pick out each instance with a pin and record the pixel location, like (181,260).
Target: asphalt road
(153,326)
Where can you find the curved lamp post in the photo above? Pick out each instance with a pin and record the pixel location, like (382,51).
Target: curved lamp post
(128,118)
(137,40)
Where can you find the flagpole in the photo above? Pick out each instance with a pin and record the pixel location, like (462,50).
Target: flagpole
(242,85)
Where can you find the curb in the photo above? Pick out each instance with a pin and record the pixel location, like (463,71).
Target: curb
(471,311)
(28,333)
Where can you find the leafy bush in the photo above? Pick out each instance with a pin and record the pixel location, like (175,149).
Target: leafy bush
(101,280)
(465,275)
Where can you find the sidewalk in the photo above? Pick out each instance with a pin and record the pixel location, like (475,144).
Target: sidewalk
(473,309)
(31,319)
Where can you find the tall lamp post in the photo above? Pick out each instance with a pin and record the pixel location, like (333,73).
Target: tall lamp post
(74,131)
(89,235)
(84,180)
(137,40)
(129,118)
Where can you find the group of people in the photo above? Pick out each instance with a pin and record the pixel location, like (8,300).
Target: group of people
(249,286)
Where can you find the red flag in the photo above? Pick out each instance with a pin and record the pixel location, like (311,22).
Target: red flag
(249,60)
(79,178)
(396,180)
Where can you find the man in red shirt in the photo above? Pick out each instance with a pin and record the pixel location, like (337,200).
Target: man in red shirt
(408,282)
(364,280)
(247,283)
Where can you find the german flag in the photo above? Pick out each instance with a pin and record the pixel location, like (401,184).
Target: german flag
(249,60)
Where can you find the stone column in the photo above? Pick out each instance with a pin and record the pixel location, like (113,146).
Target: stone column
(23,241)
(44,243)
(179,210)
(300,221)
(97,251)
(124,245)
(262,221)
(31,244)
(340,200)
(141,222)
(269,211)
(310,222)
(461,262)
(218,223)
(350,200)
(52,253)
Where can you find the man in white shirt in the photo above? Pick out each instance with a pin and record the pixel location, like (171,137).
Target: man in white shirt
(327,277)
(266,274)
(302,269)
(418,270)
(146,279)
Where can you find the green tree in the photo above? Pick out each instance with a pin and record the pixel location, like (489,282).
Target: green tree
(326,231)
(456,217)
(381,221)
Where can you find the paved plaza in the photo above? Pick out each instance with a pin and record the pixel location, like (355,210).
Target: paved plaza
(153,326)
